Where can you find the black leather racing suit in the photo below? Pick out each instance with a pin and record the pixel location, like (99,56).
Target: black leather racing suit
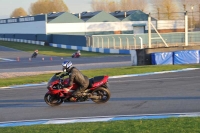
(75,76)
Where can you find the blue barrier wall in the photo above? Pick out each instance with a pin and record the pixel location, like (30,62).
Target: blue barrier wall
(186,57)
(164,58)
(177,57)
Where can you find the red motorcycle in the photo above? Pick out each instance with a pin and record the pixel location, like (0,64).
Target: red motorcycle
(97,90)
(76,55)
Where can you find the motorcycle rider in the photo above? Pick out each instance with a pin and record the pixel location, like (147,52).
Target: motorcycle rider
(76,54)
(75,76)
(35,53)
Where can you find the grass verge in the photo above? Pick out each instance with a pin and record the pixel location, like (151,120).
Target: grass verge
(96,72)
(169,125)
(48,50)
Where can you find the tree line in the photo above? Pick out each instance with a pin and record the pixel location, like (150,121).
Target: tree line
(163,8)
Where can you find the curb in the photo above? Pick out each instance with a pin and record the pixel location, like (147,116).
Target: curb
(111,77)
(97,119)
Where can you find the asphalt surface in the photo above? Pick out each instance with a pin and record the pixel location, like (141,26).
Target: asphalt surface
(20,61)
(151,94)
(161,93)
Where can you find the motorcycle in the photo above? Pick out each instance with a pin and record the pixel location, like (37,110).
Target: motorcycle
(76,55)
(97,91)
(34,55)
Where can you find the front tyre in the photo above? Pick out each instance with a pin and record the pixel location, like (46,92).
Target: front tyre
(52,100)
(103,95)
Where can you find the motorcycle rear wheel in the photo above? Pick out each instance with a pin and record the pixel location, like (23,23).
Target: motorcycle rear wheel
(103,93)
(52,100)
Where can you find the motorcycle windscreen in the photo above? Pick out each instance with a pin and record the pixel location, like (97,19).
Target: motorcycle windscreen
(53,78)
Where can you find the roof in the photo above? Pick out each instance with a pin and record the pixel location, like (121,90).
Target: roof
(65,17)
(54,14)
(86,15)
(122,14)
(131,15)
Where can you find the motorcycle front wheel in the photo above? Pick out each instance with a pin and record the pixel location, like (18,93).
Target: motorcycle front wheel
(102,93)
(52,100)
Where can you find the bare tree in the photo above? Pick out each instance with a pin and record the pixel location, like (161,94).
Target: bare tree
(140,5)
(189,5)
(166,9)
(47,6)
(112,5)
(126,4)
(104,5)
(59,6)
(98,5)
(18,12)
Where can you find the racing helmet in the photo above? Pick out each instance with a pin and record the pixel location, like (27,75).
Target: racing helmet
(66,66)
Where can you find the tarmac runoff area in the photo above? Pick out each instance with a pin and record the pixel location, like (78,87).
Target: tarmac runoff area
(98,118)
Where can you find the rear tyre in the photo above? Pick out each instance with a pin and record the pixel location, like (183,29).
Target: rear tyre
(103,93)
(52,100)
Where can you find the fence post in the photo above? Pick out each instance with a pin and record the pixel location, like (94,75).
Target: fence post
(113,42)
(92,42)
(134,42)
(127,41)
(120,43)
(149,29)
(186,29)
(141,43)
(102,45)
(108,42)
(98,41)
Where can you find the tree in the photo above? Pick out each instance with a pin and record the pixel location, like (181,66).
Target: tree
(189,4)
(112,5)
(133,5)
(104,5)
(18,12)
(165,8)
(47,6)
(97,5)
(193,9)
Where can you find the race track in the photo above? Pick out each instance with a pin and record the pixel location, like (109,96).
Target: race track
(176,92)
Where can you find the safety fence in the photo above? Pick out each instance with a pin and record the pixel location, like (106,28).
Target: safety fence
(140,41)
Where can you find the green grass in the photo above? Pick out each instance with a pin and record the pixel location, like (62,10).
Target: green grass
(96,72)
(48,50)
(169,125)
